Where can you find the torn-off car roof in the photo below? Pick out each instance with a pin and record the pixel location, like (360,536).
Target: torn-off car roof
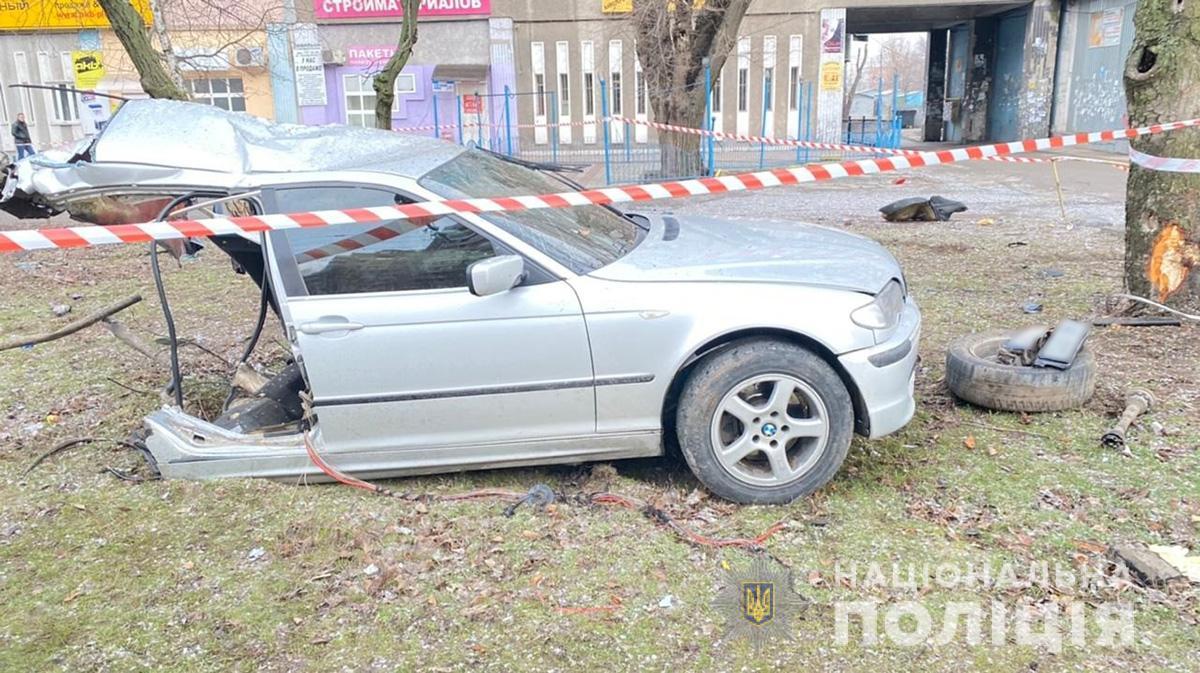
(202,137)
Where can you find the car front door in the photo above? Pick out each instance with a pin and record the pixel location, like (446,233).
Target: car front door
(401,356)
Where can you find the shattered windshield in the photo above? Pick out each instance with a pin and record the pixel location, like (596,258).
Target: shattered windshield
(583,238)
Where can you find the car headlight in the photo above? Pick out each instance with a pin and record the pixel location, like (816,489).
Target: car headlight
(884,310)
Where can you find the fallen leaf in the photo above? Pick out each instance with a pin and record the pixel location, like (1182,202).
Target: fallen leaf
(991,451)
(969,442)
(1090,547)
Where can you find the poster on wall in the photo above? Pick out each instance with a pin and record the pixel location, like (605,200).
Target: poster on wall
(833,34)
(308,64)
(831,76)
(89,68)
(310,75)
(1106,28)
(369,9)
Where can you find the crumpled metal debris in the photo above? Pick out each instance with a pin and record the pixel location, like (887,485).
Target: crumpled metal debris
(917,209)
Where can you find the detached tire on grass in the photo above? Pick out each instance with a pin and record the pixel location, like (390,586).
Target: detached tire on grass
(974,374)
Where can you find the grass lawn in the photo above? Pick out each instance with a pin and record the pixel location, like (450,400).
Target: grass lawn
(98,574)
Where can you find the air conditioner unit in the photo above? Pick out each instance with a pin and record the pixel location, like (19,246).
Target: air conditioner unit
(248,57)
(333,56)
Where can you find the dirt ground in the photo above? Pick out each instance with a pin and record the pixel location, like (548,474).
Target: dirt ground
(98,574)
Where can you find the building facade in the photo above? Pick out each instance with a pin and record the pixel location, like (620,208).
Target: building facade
(536,73)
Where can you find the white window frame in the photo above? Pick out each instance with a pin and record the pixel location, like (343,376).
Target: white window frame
(641,101)
(795,72)
(24,95)
(211,97)
(716,104)
(537,62)
(616,90)
(769,82)
(363,112)
(409,86)
(64,107)
(562,63)
(742,95)
(587,64)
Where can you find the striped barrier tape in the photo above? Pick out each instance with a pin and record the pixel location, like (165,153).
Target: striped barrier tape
(810,144)
(1168,164)
(86,236)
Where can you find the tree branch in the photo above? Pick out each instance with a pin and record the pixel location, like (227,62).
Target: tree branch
(73,327)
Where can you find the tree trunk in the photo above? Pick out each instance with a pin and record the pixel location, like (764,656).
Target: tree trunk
(673,40)
(159,25)
(385,82)
(848,100)
(1162,209)
(131,31)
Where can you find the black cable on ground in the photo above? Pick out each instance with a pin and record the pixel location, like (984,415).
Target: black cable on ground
(173,345)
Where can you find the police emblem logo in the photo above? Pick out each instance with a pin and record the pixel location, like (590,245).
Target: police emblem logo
(758,601)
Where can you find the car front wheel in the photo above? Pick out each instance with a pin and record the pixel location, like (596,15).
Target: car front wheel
(764,422)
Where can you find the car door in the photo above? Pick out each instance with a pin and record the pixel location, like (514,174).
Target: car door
(398,353)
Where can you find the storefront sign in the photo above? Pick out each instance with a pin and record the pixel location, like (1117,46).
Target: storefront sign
(368,9)
(367,56)
(831,76)
(88,67)
(1106,28)
(34,14)
(310,75)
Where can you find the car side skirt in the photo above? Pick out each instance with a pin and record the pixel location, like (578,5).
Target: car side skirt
(185,447)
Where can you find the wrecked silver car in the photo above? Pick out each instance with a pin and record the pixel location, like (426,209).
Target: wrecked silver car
(470,341)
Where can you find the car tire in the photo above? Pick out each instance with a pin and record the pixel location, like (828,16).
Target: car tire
(973,374)
(714,428)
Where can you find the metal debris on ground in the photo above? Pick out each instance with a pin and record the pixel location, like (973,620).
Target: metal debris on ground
(1136,403)
(917,209)
(1146,567)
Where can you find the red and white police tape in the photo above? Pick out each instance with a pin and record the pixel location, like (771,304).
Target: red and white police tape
(79,237)
(1168,164)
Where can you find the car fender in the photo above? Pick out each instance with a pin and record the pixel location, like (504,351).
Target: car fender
(643,333)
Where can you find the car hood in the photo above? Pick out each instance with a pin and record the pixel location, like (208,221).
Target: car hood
(691,248)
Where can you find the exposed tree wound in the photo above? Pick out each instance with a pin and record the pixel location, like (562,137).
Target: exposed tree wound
(1171,259)
(1162,209)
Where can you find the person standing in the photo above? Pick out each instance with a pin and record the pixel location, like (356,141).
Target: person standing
(20,134)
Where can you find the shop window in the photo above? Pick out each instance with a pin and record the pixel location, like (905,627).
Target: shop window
(226,93)
(589,94)
(406,84)
(639,89)
(769,88)
(66,106)
(742,93)
(360,100)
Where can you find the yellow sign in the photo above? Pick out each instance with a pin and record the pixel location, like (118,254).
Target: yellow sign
(65,14)
(89,69)
(626,6)
(831,76)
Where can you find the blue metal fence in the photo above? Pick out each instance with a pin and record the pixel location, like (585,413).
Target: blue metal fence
(616,151)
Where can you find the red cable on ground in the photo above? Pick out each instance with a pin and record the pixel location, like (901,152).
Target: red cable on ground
(609,499)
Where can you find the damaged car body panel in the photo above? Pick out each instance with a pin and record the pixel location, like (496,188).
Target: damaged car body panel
(403,367)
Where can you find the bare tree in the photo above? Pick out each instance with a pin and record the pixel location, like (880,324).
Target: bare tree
(673,41)
(848,98)
(130,29)
(1162,209)
(385,82)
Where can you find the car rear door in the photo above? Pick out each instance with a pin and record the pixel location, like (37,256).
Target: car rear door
(398,353)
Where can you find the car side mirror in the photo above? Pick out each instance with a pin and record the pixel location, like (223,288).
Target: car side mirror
(495,274)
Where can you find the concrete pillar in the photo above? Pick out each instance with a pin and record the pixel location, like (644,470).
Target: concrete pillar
(980,81)
(831,77)
(1041,48)
(935,86)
